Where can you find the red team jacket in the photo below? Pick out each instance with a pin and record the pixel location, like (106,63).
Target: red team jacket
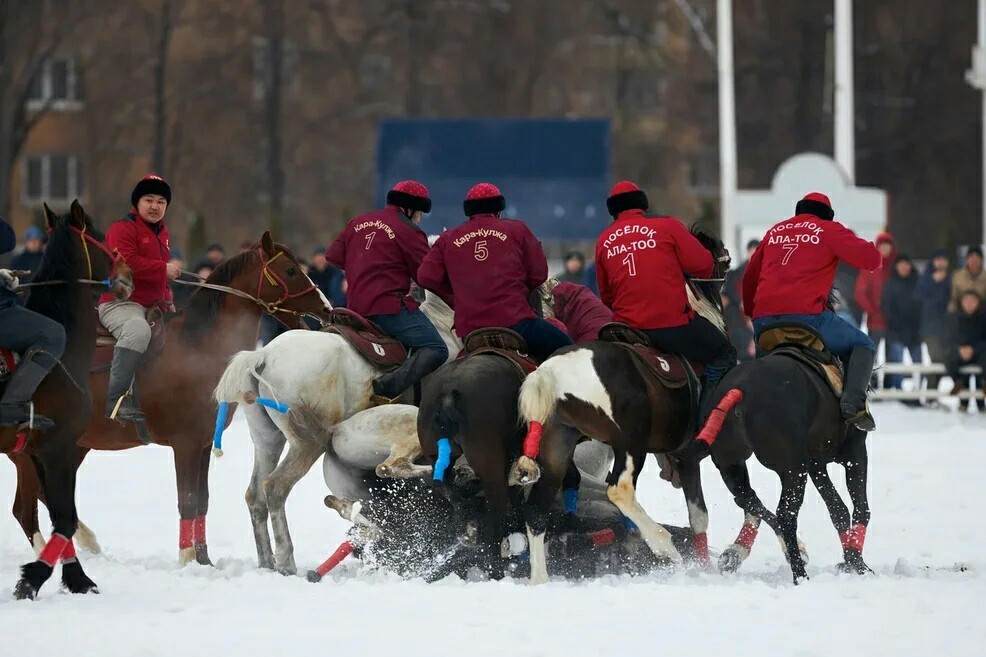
(485,268)
(380,253)
(146,251)
(792,271)
(639,264)
(581,311)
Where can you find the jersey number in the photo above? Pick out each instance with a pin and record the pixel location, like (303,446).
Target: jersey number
(481,252)
(369,239)
(790,248)
(631,265)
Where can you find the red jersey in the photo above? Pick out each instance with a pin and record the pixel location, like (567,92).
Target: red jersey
(581,311)
(792,271)
(144,247)
(641,264)
(485,269)
(380,253)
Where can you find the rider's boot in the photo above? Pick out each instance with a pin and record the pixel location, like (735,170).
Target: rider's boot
(16,407)
(857,381)
(121,403)
(388,387)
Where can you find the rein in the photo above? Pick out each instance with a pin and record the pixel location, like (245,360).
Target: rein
(86,239)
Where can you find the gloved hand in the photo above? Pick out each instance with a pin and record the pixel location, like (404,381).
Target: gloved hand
(8,280)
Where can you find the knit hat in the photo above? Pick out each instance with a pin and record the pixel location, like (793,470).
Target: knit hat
(151,184)
(33,233)
(886,238)
(626,196)
(410,195)
(816,204)
(484,198)
(978,250)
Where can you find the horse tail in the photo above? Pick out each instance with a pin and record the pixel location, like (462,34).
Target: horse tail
(238,380)
(717,417)
(450,420)
(537,396)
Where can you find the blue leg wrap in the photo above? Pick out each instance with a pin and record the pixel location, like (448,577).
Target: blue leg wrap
(571,497)
(221,414)
(280,407)
(630,525)
(444,457)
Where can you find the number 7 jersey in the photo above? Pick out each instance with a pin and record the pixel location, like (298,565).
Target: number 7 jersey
(792,271)
(641,263)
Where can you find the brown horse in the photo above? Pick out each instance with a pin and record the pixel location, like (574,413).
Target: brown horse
(64,289)
(175,386)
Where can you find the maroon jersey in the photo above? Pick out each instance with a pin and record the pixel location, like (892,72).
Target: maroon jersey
(380,253)
(581,311)
(485,269)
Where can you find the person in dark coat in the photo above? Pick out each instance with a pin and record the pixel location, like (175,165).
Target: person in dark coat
(738,325)
(933,290)
(902,312)
(30,258)
(328,278)
(589,280)
(574,268)
(965,334)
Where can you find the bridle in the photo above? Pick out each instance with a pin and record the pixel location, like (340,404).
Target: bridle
(87,239)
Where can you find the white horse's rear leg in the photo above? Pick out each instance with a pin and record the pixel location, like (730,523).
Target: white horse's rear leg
(656,536)
(268,443)
(400,463)
(297,463)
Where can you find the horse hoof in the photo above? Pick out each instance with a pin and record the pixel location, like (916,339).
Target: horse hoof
(25,590)
(75,580)
(314,577)
(525,471)
(800,576)
(287,571)
(202,555)
(33,576)
(853,564)
(730,560)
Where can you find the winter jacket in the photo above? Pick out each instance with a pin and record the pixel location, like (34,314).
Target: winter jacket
(485,268)
(144,247)
(27,261)
(641,262)
(966,330)
(8,242)
(589,279)
(902,309)
(933,297)
(869,287)
(329,281)
(792,271)
(964,280)
(581,311)
(380,253)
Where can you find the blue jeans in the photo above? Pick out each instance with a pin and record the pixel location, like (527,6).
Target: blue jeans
(413,329)
(895,354)
(541,337)
(839,336)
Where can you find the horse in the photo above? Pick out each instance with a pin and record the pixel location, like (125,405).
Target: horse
(175,385)
(322,379)
(74,268)
(776,408)
(603,390)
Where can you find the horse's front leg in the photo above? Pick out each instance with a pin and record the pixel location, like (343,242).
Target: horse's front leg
(199,543)
(657,538)
(26,500)
(856,463)
(188,466)
(690,474)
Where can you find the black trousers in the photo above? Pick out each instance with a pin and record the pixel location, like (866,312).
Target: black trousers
(699,340)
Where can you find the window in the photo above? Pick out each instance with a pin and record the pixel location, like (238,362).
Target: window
(57,85)
(52,177)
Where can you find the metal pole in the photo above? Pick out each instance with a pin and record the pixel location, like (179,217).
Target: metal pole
(727,127)
(845,127)
(976,77)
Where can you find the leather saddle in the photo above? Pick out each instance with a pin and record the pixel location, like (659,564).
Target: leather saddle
(499,342)
(367,338)
(102,357)
(803,344)
(670,370)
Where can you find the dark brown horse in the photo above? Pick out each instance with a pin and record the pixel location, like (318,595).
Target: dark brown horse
(64,289)
(175,387)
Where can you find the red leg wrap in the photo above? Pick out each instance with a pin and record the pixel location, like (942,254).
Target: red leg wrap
(341,553)
(532,442)
(747,535)
(853,538)
(713,425)
(701,544)
(185,533)
(53,550)
(198,530)
(20,442)
(602,537)
(68,554)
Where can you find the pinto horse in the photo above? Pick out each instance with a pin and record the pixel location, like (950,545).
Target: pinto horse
(64,289)
(175,386)
(599,390)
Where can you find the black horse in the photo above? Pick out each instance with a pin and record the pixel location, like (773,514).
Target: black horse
(778,409)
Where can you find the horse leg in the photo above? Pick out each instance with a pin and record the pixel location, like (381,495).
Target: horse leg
(658,538)
(268,444)
(838,511)
(737,480)
(199,543)
(26,499)
(399,464)
(490,468)
(299,460)
(690,475)
(792,496)
(188,463)
(85,537)
(856,464)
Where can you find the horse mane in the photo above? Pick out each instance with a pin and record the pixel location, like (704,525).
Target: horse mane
(204,304)
(703,296)
(441,315)
(62,261)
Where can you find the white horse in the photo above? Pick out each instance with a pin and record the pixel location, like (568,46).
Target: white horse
(323,380)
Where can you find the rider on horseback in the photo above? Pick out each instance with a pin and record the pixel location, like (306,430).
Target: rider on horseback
(39,339)
(486,268)
(641,263)
(789,278)
(380,253)
(141,238)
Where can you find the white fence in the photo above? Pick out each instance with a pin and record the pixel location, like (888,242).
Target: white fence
(916,374)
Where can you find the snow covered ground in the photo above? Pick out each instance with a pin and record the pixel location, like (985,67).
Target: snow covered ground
(926,491)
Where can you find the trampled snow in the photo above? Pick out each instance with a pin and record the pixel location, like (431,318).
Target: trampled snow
(926,493)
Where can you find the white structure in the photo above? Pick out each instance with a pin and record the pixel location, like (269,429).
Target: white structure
(727,125)
(845,107)
(860,208)
(976,76)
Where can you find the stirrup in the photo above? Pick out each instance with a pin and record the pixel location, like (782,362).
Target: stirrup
(862,420)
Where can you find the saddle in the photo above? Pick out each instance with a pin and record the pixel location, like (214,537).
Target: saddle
(671,370)
(803,344)
(499,342)
(102,357)
(367,338)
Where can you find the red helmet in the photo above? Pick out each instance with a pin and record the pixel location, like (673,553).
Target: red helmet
(411,195)
(817,204)
(484,198)
(624,196)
